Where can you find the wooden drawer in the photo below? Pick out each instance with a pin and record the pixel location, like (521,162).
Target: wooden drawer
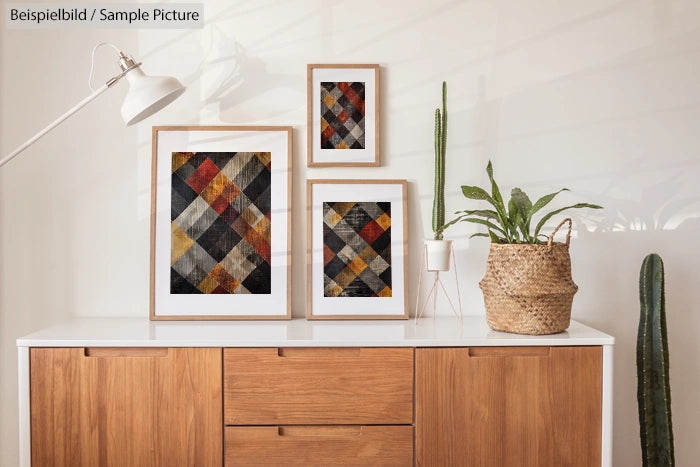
(318,386)
(314,445)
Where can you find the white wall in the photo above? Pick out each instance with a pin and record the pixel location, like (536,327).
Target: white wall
(601,96)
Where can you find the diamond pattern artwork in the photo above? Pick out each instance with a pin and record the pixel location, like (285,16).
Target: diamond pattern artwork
(343,115)
(357,249)
(220,223)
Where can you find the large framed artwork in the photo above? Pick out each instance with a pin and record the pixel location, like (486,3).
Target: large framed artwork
(220,222)
(343,115)
(356,265)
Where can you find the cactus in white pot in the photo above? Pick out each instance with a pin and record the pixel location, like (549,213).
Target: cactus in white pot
(439,249)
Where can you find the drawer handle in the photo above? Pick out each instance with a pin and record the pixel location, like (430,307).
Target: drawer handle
(126,351)
(343,431)
(523,351)
(318,352)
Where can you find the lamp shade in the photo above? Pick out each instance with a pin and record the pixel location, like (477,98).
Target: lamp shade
(148,94)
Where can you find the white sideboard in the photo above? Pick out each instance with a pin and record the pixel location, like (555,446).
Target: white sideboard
(331,345)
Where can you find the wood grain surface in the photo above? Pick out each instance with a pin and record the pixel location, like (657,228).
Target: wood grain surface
(319,446)
(135,407)
(308,386)
(509,406)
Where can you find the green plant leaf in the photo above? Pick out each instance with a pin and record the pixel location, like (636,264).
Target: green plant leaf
(487,213)
(488,224)
(474,192)
(479,234)
(557,211)
(543,201)
(523,206)
(442,228)
(512,210)
(498,200)
(496,239)
(513,221)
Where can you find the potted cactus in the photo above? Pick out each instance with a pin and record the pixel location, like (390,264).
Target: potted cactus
(438,249)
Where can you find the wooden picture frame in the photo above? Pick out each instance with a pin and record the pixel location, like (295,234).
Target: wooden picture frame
(343,115)
(356,249)
(221,222)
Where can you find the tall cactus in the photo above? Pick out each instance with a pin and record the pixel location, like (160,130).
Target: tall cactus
(440,149)
(653,388)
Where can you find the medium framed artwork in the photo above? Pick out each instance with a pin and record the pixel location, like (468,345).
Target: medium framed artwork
(220,222)
(343,115)
(356,265)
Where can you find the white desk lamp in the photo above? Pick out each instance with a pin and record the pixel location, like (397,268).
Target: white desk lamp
(146,96)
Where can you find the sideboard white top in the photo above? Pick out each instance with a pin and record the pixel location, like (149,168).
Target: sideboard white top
(429,332)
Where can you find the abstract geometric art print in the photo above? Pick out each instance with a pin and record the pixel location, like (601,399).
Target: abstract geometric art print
(357,249)
(356,258)
(342,115)
(220,223)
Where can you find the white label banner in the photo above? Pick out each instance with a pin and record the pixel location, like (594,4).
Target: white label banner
(107,15)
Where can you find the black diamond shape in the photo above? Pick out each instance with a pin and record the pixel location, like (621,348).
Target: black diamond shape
(264,201)
(342,131)
(179,285)
(344,102)
(177,205)
(219,239)
(220,159)
(357,218)
(359,88)
(261,182)
(357,288)
(329,116)
(229,215)
(183,190)
(356,115)
(382,245)
(385,206)
(385,276)
(197,159)
(258,281)
(357,145)
(333,267)
(328,85)
(331,240)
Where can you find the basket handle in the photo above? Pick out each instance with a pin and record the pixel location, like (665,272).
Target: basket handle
(568,234)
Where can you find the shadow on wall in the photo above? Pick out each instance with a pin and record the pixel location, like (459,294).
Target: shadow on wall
(230,77)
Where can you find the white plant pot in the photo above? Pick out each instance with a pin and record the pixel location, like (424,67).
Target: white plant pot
(438,254)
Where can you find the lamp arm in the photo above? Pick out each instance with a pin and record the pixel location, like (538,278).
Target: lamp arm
(58,121)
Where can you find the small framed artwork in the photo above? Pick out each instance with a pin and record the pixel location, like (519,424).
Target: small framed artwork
(220,222)
(356,249)
(343,115)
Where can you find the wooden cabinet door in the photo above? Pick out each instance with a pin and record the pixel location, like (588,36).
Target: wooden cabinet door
(509,406)
(126,407)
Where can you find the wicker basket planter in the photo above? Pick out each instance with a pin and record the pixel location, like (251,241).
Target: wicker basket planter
(528,288)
